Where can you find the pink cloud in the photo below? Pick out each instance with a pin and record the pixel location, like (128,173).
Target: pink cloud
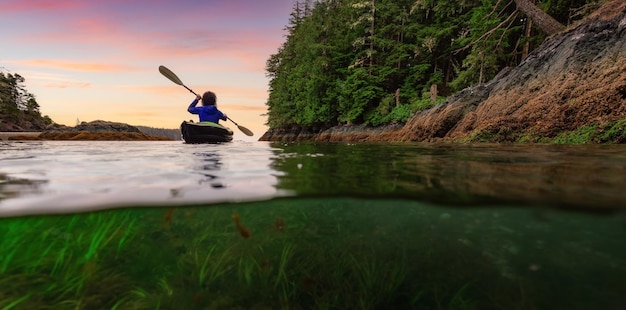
(248,49)
(38,5)
(76,66)
(67,84)
(232,29)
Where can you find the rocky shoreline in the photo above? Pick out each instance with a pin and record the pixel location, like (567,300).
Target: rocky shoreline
(346,133)
(95,130)
(571,89)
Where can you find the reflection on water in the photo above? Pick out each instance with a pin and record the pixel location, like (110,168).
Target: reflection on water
(206,164)
(13,187)
(591,178)
(76,176)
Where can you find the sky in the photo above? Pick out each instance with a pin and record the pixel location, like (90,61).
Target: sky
(87,60)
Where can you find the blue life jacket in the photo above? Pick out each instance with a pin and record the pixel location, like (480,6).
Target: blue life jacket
(208,113)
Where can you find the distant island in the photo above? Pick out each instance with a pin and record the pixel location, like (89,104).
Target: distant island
(20,119)
(97,130)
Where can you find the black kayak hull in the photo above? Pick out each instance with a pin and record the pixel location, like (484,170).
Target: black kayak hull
(205,132)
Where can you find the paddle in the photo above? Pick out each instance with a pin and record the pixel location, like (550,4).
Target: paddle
(172,77)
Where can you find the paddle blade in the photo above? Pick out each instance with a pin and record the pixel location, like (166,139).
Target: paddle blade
(245,130)
(170,75)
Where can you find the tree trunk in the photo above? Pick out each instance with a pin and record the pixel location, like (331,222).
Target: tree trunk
(545,22)
(526,50)
(397,97)
(433,92)
(372,36)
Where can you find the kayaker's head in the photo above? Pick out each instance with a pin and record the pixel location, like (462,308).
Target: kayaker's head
(209,98)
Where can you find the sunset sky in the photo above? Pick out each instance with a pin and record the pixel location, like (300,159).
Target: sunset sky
(88,60)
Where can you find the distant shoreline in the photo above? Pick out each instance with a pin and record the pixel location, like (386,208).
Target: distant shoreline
(80,136)
(5,135)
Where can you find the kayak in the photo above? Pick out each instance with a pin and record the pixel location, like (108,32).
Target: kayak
(205,132)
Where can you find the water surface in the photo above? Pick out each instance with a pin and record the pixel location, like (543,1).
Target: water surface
(58,176)
(61,176)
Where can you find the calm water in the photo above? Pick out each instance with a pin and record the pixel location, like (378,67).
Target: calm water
(165,225)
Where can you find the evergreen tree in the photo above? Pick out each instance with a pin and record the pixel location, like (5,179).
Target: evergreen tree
(13,94)
(375,61)
(16,103)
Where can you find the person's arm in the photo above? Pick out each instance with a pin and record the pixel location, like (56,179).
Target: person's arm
(223,116)
(192,106)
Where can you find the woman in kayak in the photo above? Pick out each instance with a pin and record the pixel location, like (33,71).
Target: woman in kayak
(208,112)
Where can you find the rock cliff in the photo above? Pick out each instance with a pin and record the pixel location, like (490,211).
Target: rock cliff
(575,82)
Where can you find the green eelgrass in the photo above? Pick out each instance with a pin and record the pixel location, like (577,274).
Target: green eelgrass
(138,298)
(283,282)
(460,301)
(107,230)
(246,269)
(61,250)
(127,235)
(7,258)
(376,278)
(17,242)
(320,269)
(310,263)
(59,237)
(210,265)
(15,303)
(285,256)
(62,260)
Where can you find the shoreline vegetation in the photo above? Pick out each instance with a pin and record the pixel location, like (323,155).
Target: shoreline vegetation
(509,84)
